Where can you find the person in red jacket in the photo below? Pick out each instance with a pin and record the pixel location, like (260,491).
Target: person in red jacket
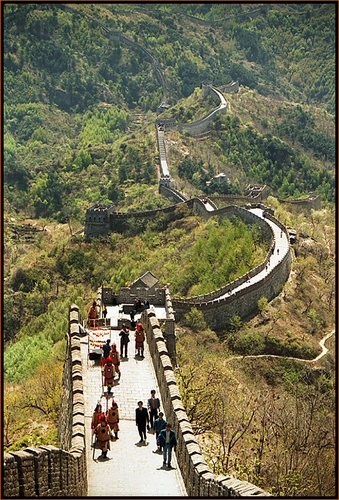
(96,416)
(109,373)
(139,339)
(113,418)
(103,433)
(93,314)
(115,359)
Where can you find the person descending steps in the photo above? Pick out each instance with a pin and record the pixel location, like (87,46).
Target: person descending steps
(124,340)
(153,405)
(141,418)
(96,416)
(167,440)
(106,349)
(159,425)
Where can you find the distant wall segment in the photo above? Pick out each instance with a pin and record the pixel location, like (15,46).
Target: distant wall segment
(243,303)
(48,471)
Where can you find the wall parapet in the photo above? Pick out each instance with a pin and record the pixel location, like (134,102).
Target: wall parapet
(171,193)
(201,125)
(199,480)
(313,201)
(242,303)
(48,471)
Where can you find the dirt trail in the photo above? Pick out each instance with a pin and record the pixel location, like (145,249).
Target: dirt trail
(324,351)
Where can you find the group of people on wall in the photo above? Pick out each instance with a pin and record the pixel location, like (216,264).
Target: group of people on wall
(105,424)
(93,312)
(110,361)
(105,427)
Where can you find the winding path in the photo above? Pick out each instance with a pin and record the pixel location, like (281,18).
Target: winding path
(281,248)
(324,351)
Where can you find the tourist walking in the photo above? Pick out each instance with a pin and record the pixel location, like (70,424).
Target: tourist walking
(113,418)
(115,359)
(103,433)
(167,440)
(104,311)
(106,348)
(108,372)
(96,416)
(159,425)
(93,314)
(139,342)
(124,339)
(153,405)
(141,419)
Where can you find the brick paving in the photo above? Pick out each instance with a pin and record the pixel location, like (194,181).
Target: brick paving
(132,469)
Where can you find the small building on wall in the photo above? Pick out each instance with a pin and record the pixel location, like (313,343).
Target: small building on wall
(147,287)
(147,280)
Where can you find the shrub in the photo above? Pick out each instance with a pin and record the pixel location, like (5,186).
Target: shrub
(195,319)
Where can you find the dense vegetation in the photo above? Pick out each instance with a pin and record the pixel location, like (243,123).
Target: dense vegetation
(70,97)
(79,112)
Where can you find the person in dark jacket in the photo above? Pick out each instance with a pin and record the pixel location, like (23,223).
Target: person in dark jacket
(141,418)
(159,425)
(106,348)
(124,339)
(167,440)
(153,405)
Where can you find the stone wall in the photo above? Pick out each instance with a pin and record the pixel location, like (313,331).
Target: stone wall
(132,44)
(169,327)
(243,303)
(97,220)
(120,222)
(231,88)
(199,126)
(129,295)
(164,172)
(171,194)
(199,480)
(307,203)
(48,471)
(230,199)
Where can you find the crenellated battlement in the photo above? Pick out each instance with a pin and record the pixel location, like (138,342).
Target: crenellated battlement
(48,471)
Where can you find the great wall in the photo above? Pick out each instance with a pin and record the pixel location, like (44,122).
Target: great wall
(48,471)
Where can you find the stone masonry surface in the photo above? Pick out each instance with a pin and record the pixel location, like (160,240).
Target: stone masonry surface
(133,469)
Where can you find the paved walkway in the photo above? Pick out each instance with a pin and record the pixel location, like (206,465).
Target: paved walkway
(280,250)
(132,469)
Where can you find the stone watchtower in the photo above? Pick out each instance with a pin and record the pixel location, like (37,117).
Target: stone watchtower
(98,220)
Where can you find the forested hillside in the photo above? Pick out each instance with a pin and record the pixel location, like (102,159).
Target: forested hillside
(72,91)
(79,111)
